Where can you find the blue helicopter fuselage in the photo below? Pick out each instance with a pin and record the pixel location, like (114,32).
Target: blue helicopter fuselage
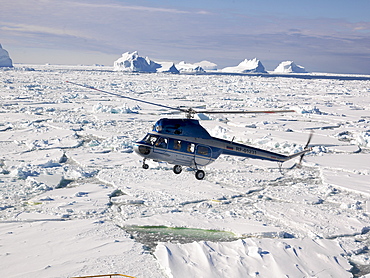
(185,142)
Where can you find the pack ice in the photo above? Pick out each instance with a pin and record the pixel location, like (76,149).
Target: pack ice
(75,200)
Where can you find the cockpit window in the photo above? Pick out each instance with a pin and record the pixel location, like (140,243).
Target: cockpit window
(150,139)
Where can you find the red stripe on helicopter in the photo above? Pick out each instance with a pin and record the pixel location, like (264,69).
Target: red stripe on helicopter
(229,148)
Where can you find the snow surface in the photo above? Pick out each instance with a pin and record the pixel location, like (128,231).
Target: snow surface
(289,67)
(75,200)
(5,60)
(247,66)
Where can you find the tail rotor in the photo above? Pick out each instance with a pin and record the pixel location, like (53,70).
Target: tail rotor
(305,148)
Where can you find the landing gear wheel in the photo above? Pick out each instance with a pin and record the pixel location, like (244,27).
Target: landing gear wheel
(177,169)
(200,174)
(145,166)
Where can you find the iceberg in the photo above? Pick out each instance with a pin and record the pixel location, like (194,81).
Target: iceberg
(289,67)
(132,62)
(167,67)
(247,66)
(207,65)
(5,60)
(184,67)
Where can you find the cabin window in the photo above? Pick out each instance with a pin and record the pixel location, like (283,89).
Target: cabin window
(202,150)
(190,148)
(177,144)
(150,139)
(161,142)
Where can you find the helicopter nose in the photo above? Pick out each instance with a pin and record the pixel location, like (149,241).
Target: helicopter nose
(142,149)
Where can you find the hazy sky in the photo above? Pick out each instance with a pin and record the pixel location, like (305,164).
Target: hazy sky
(321,35)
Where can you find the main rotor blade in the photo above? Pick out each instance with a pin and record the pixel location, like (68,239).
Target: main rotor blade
(245,112)
(121,96)
(189,111)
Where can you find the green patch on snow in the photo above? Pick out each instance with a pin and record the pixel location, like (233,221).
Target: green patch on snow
(149,236)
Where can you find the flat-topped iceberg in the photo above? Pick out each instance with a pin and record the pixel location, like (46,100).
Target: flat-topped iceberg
(184,67)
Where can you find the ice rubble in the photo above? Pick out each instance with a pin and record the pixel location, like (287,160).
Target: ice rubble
(247,66)
(115,110)
(5,60)
(289,67)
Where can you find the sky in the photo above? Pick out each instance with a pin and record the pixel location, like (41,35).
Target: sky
(321,35)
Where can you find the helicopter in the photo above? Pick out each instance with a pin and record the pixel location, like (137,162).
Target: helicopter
(185,143)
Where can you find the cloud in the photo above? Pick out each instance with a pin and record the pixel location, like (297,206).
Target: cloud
(362,26)
(135,8)
(37,29)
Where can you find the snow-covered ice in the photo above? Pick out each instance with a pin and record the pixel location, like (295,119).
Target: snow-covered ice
(75,200)
(253,258)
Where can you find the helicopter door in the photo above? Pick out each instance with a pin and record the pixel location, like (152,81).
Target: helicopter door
(203,155)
